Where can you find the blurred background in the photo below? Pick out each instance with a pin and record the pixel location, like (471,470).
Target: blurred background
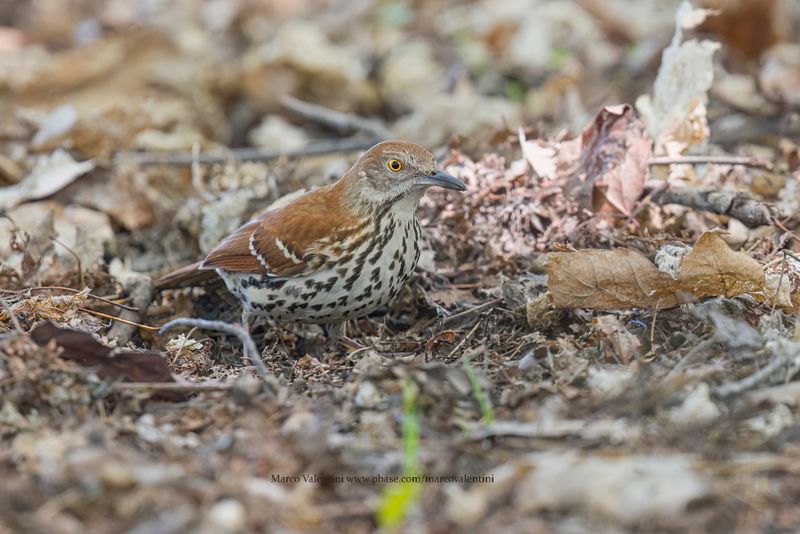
(164,75)
(136,134)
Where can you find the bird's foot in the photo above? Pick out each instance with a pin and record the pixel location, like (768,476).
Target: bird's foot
(336,333)
(351,345)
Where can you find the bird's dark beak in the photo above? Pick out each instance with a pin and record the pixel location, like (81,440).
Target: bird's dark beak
(442,179)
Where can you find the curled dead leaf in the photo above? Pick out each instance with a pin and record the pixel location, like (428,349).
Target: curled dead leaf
(606,164)
(613,163)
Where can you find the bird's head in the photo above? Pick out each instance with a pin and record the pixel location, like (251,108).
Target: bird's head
(394,170)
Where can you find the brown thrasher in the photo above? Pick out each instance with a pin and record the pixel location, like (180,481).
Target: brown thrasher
(335,253)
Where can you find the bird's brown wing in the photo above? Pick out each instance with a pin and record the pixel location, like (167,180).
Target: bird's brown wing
(296,239)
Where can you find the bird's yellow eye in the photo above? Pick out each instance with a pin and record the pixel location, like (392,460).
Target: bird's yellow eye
(395,165)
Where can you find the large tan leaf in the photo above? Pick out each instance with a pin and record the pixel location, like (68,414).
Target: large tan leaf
(624,278)
(607,280)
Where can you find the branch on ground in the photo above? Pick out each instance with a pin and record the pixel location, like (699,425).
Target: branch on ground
(244,154)
(750,212)
(341,122)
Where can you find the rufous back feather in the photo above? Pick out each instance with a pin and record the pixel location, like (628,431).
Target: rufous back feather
(290,240)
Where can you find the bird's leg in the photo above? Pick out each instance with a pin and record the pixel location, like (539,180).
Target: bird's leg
(337,332)
(246,316)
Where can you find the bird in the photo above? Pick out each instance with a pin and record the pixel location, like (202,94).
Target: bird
(332,254)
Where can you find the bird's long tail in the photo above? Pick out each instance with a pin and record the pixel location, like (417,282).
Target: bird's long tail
(190,275)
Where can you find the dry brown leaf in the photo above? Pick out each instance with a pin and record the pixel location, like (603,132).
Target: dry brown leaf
(119,197)
(127,366)
(625,344)
(624,278)
(451,297)
(712,269)
(606,280)
(615,150)
(606,164)
(749,27)
(540,155)
(51,174)
(81,232)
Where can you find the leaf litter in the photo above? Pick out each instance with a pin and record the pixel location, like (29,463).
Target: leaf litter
(601,333)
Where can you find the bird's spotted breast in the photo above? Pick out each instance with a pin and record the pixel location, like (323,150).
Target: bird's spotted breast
(364,277)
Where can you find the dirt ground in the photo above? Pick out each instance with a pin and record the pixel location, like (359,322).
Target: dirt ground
(601,334)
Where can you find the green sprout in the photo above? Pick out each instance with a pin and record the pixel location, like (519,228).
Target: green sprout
(559,58)
(480,396)
(398,498)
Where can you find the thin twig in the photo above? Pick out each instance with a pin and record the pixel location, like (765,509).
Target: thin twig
(461,286)
(780,225)
(249,345)
(795,257)
(551,429)
(653,328)
(474,309)
(745,384)
(71,290)
(780,284)
(185,343)
(140,289)
(784,354)
(197,174)
(711,160)
(244,154)
(464,340)
(359,351)
(340,121)
(118,319)
(175,386)
(74,255)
